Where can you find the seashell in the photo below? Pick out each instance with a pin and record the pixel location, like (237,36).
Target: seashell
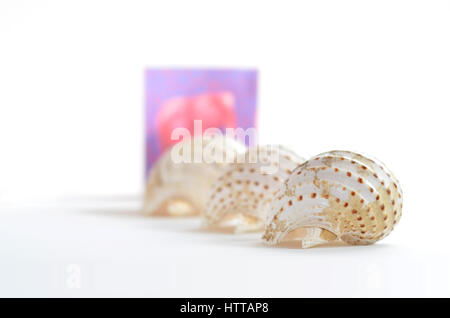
(338,196)
(241,197)
(179,182)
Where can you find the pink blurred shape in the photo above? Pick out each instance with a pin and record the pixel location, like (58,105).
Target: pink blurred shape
(214,109)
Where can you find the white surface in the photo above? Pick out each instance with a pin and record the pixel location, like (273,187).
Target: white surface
(120,253)
(369,76)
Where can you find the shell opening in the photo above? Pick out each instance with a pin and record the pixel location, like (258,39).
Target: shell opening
(308,237)
(177,208)
(238,223)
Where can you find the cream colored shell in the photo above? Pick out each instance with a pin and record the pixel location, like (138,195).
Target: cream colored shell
(336,196)
(177,188)
(241,198)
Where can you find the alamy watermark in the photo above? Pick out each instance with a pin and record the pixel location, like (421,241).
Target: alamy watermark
(73,276)
(199,150)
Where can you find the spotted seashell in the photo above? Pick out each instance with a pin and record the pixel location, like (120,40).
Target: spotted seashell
(179,183)
(241,197)
(336,196)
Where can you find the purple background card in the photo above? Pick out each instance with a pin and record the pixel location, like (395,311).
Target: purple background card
(176,97)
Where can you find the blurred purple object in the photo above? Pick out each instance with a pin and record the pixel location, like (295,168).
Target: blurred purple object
(176,97)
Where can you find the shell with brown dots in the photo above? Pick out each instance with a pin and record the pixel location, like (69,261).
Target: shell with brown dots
(338,196)
(241,198)
(179,183)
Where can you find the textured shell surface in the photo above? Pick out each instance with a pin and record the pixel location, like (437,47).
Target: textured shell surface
(338,196)
(242,195)
(179,182)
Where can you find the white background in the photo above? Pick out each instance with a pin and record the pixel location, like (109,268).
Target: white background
(368,76)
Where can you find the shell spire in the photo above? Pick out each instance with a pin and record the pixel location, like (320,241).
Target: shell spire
(336,196)
(240,199)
